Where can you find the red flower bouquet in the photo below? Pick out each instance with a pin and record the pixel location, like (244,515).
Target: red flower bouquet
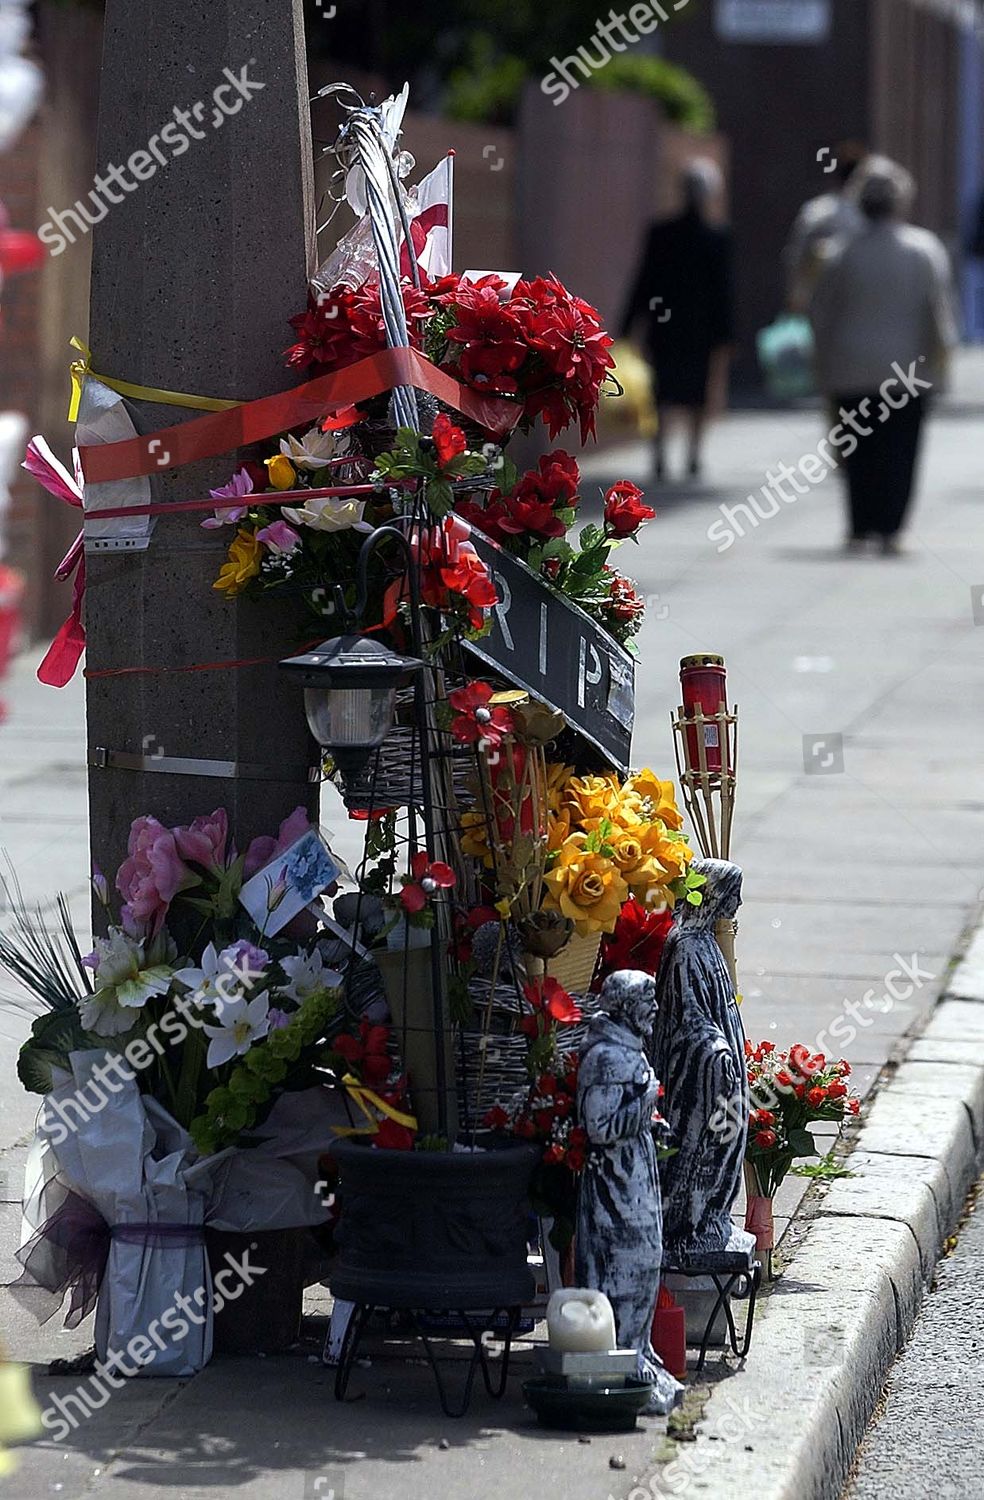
(539,344)
(788,1091)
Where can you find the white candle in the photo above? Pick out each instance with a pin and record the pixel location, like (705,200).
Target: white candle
(580,1321)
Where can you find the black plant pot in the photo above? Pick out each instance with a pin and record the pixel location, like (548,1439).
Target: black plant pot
(433,1229)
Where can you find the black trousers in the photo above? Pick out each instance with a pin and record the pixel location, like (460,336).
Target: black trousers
(881,470)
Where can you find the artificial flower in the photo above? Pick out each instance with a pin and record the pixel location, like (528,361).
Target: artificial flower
(245,554)
(449,440)
(657,797)
(367,1052)
(311,452)
(279,538)
(283,475)
(586,886)
(264,849)
(426,877)
(241,1023)
(100,885)
(307,972)
(625,509)
(204,841)
(476,718)
(223,977)
(548,995)
(637,941)
(151,876)
(329,514)
(238,487)
(128,973)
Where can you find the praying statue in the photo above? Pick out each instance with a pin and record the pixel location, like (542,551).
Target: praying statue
(619,1239)
(698,1050)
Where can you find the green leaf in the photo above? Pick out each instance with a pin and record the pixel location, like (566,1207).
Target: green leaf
(801,1143)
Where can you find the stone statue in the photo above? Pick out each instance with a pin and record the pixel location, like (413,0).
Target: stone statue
(698,1050)
(619,1220)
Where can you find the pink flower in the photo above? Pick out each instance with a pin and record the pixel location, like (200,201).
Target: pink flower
(279,537)
(151,877)
(239,486)
(204,840)
(265,848)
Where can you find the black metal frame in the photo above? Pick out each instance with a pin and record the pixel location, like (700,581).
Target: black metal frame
(742,1283)
(477,1325)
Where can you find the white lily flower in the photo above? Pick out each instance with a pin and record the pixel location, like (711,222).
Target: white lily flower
(329,515)
(307,972)
(312,451)
(242,1023)
(224,976)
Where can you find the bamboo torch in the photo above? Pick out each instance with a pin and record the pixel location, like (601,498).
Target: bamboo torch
(705,737)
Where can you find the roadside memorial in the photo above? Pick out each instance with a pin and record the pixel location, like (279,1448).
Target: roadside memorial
(258,1022)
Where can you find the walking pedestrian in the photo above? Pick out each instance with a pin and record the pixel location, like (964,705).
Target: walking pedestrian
(682,295)
(821,226)
(883,307)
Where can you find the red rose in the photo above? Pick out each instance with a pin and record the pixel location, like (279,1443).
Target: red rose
(449,440)
(766,1139)
(854,1105)
(816,1097)
(496,1119)
(625,509)
(553,1154)
(836,1089)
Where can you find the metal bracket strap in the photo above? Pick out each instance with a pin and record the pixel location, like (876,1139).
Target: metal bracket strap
(180,765)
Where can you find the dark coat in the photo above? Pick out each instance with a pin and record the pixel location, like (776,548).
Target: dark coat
(685,271)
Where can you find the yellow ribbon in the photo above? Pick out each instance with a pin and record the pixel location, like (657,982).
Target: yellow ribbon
(364,1097)
(80,368)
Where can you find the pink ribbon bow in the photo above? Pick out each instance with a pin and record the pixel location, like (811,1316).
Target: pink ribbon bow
(65,651)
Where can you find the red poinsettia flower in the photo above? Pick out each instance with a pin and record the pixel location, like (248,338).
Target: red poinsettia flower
(489,337)
(625,509)
(638,939)
(426,877)
(474,721)
(449,440)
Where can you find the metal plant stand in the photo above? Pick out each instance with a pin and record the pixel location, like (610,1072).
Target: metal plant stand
(734,1274)
(425,1323)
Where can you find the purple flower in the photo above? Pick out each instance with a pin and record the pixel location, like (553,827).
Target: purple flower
(244,956)
(100,885)
(278,1019)
(239,486)
(279,537)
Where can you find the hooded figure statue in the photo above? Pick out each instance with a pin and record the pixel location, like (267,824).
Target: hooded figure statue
(619,1223)
(698,1050)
